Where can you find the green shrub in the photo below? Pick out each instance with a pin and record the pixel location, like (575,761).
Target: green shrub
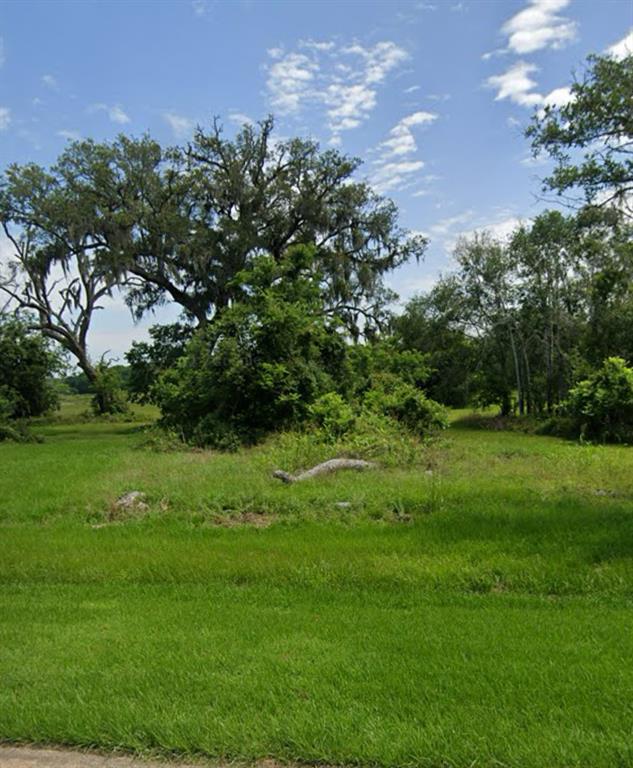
(602,405)
(260,365)
(401,401)
(109,397)
(17,432)
(332,415)
(27,365)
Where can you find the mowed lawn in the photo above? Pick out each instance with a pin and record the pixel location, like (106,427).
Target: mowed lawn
(474,609)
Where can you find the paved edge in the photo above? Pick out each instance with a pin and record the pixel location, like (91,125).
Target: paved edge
(17,756)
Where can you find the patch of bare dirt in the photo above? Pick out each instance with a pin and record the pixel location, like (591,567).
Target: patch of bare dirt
(36,757)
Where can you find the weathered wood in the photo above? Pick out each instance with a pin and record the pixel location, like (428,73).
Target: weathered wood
(333,465)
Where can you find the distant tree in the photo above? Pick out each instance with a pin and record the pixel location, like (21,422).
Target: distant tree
(486,279)
(79,384)
(27,365)
(434,324)
(603,259)
(58,271)
(550,298)
(591,137)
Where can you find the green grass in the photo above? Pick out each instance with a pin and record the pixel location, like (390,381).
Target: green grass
(471,610)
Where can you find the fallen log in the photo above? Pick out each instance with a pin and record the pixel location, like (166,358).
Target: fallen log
(333,465)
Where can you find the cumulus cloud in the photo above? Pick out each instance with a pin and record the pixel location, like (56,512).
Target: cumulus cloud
(559,97)
(396,167)
(114,112)
(182,127)
(622,48)
(291,80)
(341,80)
(401,140)
(539,26)
(517,85)
(5,118)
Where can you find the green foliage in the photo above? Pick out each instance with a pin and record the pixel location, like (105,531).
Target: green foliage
(332,415)
(602,405)
(401,401)
(261,364)
(432,325)
(147,360)
(109,396)
(597,121)
(79,384)
(27,365)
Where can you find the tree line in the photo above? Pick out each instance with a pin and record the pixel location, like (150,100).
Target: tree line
(276,254)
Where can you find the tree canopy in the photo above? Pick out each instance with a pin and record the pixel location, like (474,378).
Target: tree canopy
(591,136)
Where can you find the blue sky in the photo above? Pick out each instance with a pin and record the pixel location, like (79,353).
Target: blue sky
(433,95)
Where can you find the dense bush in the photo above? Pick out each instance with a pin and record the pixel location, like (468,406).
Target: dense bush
(26,369)
(277,360)
(331,414)
(395,398)
(260,365)
(602,405)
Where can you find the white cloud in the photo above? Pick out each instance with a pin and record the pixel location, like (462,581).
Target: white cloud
(501,228)
(394,175)
(342,81)
(401,140)
(181,126)
(622,48)
(5,118)
(539,26)
(50,82)
(114,112)
(239,118)
(412,89)
(117,115)
(70,135)
(517,85)
(395,168)
(290,80)
(316,45)
(559,97)
(500,225)
(451,225)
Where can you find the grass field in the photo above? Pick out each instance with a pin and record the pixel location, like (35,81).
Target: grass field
(474,609)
